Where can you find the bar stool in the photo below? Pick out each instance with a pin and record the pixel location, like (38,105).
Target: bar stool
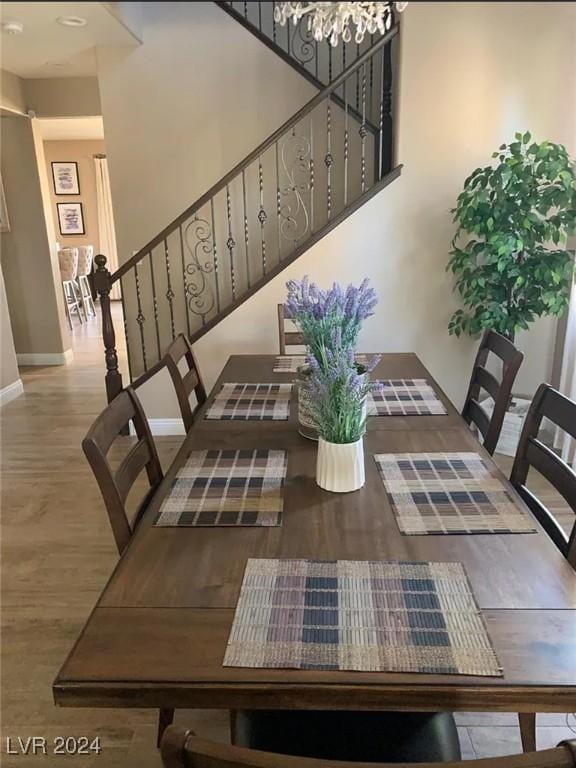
(68,260)
(85,256)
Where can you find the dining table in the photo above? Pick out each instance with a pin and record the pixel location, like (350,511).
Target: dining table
(158,634)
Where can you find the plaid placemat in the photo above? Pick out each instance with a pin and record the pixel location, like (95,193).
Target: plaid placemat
(404,397)
(251,402)
(226,488)
(449,493)
(365,616)
(291,363)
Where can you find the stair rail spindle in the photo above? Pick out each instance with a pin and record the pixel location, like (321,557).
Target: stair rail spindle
(155,304)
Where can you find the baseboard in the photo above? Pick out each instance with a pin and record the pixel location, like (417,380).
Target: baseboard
(45,358)
(11,392)
(164,427)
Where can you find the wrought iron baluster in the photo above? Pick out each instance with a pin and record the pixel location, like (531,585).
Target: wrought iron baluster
(346,147)
(357,80)
(169,292)
(199,239)
(273,23)
(230,243)
(316,57)
(363,131)
(311,172)
(245,228)
(155,303)
(262,216)
(387,157)
(125,321)
(381,118)
(260,16)
(216,276)
(278,201)
(329,62)
(245,10)
(140,319)
(328,159)
(184,280)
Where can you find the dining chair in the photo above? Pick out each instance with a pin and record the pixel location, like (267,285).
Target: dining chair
(115,485)
(287,338)
(184,382)
(499,390)
(183,749)
(85,257)
(68,262)
(533,453)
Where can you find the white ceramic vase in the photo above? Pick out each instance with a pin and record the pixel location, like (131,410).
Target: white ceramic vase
(340,466)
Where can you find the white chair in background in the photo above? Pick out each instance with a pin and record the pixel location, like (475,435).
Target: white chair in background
(85,257)
(68,260)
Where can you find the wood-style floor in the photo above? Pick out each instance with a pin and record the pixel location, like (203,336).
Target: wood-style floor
(57,553)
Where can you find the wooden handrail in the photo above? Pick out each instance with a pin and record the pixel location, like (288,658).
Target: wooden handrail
(250,158)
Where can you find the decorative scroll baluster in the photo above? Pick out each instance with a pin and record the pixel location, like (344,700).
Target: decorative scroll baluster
(199,239)
(363,132)
(328,159)
(103,285)
(246,228)
(169,292)
(140,319)
(216,275)
(346,147)
(262,216)
(230,243)
(184,280)
(294,215)
(155,303)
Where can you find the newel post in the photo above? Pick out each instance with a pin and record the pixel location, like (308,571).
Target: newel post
(103,285)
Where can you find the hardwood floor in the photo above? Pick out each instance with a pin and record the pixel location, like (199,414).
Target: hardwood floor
(57,553)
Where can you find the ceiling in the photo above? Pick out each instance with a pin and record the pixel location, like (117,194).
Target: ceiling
(71,128)
(48,49)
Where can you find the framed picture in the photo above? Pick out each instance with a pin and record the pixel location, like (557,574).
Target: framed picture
(65,178)
(70,218)
(4,223)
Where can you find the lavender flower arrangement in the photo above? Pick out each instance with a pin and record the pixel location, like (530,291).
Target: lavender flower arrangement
(329,321)
(336,395)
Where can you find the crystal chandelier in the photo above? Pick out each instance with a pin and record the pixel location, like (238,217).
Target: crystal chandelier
(332,20)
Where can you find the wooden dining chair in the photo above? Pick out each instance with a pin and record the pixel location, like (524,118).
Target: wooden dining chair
(184,383)
(115,485)
(287,338)
(532,452)
(182,749)
(499,390)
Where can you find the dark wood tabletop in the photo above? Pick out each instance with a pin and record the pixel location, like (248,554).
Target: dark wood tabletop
(158,633)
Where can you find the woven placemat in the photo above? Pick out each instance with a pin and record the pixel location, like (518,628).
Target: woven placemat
(251,402)
(233,488)
(449,493)
(359,615)
(404,397)
(291,363)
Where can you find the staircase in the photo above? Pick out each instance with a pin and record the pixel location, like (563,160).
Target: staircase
(313,172)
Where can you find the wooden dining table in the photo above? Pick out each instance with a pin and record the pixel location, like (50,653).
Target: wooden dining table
(157,635)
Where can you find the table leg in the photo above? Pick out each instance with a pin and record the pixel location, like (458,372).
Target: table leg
(527,722)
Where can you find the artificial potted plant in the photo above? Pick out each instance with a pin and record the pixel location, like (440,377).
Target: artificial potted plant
(508,254)
(337,395)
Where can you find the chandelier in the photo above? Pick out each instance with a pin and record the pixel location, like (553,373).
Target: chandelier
(332,20)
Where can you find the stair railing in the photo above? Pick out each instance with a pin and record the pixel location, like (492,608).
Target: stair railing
(299,183)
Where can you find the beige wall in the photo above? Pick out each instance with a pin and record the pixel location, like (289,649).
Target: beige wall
(28,262)
(472,74)
(8,365)
(12,92)
(63,96)
(81,152)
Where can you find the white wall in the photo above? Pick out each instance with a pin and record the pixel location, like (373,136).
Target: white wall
(472,74)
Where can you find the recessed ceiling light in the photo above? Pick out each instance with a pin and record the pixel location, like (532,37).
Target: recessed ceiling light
(72,21)
(12,27)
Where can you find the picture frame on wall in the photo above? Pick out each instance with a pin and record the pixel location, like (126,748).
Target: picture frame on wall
(4,221)
(65,178)
(70,218)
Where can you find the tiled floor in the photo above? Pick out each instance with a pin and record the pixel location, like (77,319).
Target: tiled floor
(57,553)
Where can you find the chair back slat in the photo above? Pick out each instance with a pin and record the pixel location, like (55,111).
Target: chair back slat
(532,452)
(483,379)
(115,485)
(286,338)
(182,749)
